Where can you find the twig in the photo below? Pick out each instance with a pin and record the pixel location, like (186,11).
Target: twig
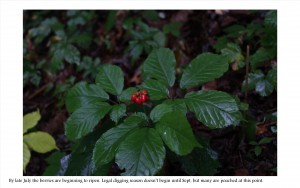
(41,89)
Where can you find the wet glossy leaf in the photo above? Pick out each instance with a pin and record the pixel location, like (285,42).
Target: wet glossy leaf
(108,144)
(84,119)
(156,90)
(214,109)
(142,153)
(264,88)
(204,68)
(30,120)
(83,94)
(111,79)
(160,65)
(40,142)
(176,132)
(26,156)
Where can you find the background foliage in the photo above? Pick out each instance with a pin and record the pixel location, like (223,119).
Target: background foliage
(64,48)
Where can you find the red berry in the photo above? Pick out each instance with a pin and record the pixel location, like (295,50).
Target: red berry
(144,98)
(133,98)
(147,98)
(138,100)
(144,92)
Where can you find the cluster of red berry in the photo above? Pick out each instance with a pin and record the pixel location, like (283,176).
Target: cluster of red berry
(139,97)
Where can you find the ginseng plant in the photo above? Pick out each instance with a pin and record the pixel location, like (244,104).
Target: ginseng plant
(149,119)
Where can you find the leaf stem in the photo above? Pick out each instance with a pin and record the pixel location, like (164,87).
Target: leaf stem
(247,72)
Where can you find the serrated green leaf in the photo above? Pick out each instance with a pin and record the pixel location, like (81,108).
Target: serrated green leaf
(126,94)
(106,147)
(160,65)
(204,68)
(26,156)
(177,104)
(84,119)
(40,142)
(142,153)
(214,109)
(111,79)
(83,94)
(156,90)
(117,112)
(265,140)
(30,120)
(159,111)
(176,132)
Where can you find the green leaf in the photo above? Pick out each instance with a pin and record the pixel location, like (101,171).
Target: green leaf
(177,104)
(111,79)
(108,144)
(272,76)
(30,120)
(262,84)
(204,68)
(156,90)
(83,94)
(66,51)
(200,163)
(84,119)
(176,132)
(234,54)
(257,150)
(136,51)
(142,153)
(26,156)
(110,20)
(265,140)
(259,58)
(214,109)
(126,94)
(271,18)
(53,164)
(40,142)
(159,111)
(117,112)
(160,65)
(79,162)
(264,88)
(253,143)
